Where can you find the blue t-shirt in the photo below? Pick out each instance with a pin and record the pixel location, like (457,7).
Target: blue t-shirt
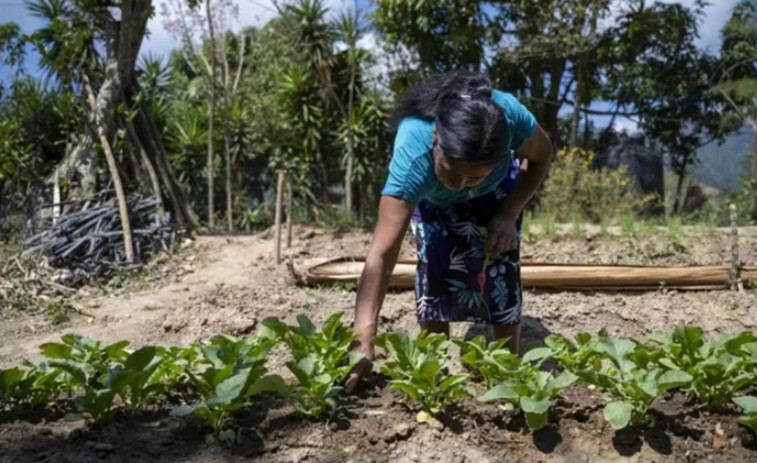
(411,172)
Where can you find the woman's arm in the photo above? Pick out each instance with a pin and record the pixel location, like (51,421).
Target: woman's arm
(394,217)
(537,153)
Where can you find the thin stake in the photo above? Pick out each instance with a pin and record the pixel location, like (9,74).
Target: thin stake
(289,211)
(735,260)
(279,192)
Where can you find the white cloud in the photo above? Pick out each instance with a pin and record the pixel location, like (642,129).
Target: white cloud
(624,124)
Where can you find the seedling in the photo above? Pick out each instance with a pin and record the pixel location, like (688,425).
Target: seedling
(418,370)
(719,369)
(632,387)
(235,372)
(320,361)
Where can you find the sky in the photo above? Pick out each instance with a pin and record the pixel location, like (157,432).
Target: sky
(257,12)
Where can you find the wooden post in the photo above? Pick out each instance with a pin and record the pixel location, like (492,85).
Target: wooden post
(735,259)
(279,191)
(56,196)
(290,202)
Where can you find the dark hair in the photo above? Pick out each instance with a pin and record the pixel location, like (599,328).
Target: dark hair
(470,126)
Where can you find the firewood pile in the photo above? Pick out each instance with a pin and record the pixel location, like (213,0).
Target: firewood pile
(90,243)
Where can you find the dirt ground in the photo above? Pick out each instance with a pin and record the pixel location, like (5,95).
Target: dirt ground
(230,284)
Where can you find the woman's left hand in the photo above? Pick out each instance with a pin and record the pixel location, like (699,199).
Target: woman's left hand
(503,235)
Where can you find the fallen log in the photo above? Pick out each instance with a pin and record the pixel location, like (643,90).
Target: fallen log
(544,275)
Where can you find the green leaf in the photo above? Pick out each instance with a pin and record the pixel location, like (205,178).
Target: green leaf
(564,380)
(141,358)
(73,417)
(618,414)
(502,391)
(748,403)
(306,325)
(55,350)
(232,386)
(672,379)
(270,383)
(538,353)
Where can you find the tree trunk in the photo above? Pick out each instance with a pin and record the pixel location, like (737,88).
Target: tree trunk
(211,110)
(753,180)
(573,142)
(113,168)
(149,168)
(679,192)
(175,193)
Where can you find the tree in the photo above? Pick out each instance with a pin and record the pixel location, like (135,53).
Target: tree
(676,112)
(738,82)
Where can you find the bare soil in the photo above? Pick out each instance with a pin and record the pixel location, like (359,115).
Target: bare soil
(230,284)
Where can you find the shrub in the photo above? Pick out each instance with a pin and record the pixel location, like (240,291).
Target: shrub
(574,187)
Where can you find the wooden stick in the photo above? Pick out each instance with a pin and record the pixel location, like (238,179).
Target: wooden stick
(56,195)
(735,260)
(290,202)
(279,191)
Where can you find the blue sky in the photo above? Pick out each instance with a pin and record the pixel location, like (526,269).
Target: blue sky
(257,12)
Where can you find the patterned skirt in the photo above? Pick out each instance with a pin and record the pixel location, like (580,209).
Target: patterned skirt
(450,282)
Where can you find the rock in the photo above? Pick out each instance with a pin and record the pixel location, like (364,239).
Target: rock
(399,432)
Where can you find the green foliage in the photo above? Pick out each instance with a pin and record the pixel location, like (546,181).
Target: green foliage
(234,371)
(533,394)
(575,188)
(320,361)
(718,368)
(418,370)
(492,360)
(625,374)
(749,405)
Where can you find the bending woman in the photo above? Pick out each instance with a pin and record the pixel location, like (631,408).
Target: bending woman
(466,161)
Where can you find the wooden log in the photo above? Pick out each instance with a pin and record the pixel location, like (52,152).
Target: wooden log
(544,275)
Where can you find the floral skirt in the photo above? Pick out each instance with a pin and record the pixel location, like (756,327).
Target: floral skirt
(450,282)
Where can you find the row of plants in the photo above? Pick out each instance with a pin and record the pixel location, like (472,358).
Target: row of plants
(216,379)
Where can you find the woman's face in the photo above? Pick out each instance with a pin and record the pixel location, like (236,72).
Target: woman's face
(456,175)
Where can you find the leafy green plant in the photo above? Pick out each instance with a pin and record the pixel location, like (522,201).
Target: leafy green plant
(492,360)
(533,393)
(135,381)
(87,353)
(631,384)
(418,370)
(83,364)
(234,371)
(320,361)
(749,405)
(576,355)
(719,368)
(517,380)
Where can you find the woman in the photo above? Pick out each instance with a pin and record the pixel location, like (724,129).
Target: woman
(456,174)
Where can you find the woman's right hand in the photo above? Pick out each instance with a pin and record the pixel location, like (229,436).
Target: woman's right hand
(364,365)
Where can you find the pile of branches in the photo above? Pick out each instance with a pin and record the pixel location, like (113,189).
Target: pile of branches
(90,243)
(25,283)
